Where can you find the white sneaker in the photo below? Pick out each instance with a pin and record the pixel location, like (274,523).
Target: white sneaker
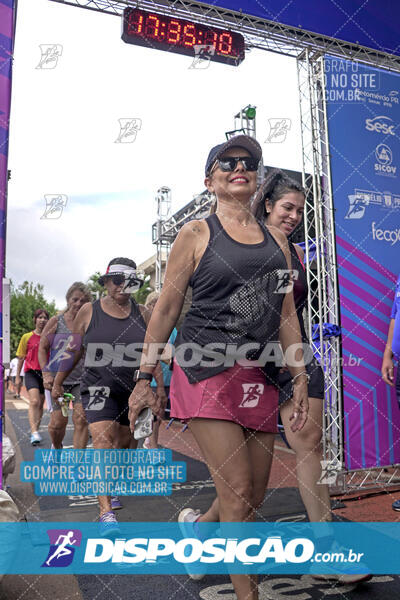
(36,438)
(345,578)
(187,516)
(356,573)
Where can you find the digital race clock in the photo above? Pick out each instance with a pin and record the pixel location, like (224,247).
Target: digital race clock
(153,30)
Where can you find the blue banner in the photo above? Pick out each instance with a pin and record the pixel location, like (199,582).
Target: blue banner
(374,24)
(363,108)
(167,548)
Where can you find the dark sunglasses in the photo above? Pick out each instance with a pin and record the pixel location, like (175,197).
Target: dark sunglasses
(117,279)
(229,164)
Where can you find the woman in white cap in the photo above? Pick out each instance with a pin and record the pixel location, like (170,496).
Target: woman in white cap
(234,266)
(106,328)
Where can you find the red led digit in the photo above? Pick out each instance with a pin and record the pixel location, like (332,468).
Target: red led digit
(225,43)
(174,29)
(189,37)
(210,38)
(152,26)
(135,23)
(148,28)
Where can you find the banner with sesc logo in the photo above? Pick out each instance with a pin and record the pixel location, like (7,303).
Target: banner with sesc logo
(363,108)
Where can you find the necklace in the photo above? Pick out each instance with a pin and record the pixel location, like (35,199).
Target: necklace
(233,220)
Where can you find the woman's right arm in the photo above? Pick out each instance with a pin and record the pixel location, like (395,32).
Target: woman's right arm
(185,255)
(21,354)
(80,325)
(184,258)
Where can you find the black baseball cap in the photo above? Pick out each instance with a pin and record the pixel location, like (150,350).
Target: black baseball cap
(241,141)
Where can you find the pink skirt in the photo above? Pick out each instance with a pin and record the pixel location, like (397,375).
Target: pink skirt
(239,394)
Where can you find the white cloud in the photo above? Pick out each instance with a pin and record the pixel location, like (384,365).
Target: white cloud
(64,124)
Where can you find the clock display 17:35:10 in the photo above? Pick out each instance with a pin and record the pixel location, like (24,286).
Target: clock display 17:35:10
(181,33)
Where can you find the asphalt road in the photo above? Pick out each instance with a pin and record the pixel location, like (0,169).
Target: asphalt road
(284,503)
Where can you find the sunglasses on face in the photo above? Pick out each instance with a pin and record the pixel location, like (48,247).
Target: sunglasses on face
(118,279)
(229,164)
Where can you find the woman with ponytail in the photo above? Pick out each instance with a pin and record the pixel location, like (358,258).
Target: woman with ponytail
(280,204)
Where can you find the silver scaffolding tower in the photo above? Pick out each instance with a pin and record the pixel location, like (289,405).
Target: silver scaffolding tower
(308,49)
(163,244)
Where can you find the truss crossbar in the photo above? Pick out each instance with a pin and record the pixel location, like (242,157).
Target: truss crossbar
(258,33)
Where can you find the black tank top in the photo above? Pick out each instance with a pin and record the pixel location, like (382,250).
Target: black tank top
(234,301)
(113,344)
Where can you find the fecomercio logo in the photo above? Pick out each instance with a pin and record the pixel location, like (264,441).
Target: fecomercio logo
(385,235)
(380,124)
(62,547)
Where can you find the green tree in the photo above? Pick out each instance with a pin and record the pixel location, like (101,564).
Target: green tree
(141,295)
(24,300)
(94,286)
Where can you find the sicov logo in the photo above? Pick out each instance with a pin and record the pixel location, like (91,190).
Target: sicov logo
(380,124)
(384,157)
(62,547)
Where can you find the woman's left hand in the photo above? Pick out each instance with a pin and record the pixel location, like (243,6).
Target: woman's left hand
(300,404)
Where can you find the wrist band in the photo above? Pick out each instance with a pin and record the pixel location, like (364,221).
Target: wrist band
(299,375)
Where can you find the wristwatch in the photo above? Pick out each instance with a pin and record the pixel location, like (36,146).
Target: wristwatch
(142,375)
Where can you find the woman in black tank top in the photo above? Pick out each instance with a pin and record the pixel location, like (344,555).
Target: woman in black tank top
(111,332)
(280,202)
(234,303)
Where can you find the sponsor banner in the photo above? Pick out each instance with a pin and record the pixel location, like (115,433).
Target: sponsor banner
(159,548)
(6,48)
(364,145)
(373,24)
(103,472)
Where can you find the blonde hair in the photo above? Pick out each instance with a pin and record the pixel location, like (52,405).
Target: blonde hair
(81,287)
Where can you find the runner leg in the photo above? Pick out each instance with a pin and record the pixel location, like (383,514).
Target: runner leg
(223,445)
(105,436)
(307,445)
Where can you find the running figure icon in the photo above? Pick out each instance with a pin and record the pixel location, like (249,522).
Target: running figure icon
(62,543)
